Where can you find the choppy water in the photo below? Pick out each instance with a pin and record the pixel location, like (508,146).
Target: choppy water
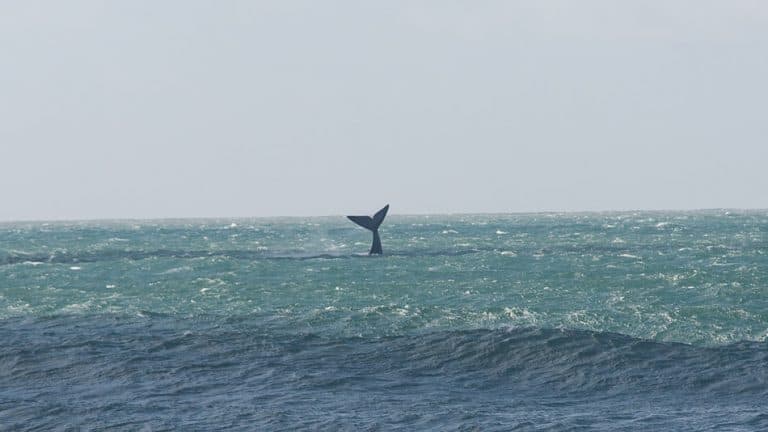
(616,321)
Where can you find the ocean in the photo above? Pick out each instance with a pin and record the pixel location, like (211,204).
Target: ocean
(595,321)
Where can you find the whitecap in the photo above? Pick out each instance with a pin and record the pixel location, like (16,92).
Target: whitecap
(19,308)
(177,270)
(626,255)
(520,314)
(76,307)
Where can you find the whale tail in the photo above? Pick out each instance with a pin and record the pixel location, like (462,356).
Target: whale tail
(372,223)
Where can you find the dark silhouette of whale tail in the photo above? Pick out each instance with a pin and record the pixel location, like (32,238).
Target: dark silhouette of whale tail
(372,223)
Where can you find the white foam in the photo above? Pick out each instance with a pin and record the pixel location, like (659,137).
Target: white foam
(177,270)
(19,308)
(402,311)
(76,307)
(629,256)
(520,314)
(75,268)
(500,232)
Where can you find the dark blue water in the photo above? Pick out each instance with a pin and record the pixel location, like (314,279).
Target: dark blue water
(637,321)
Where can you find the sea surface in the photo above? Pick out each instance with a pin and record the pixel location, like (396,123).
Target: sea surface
(597,321)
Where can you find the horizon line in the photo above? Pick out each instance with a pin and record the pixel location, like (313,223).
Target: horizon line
(542,212)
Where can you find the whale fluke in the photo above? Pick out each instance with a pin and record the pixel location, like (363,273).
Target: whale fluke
(372,223)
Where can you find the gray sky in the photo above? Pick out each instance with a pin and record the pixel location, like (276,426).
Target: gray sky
(125,109)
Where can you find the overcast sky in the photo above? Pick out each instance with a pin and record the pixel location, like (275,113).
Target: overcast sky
(144,109)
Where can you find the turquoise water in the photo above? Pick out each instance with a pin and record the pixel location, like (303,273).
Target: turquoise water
(606,321)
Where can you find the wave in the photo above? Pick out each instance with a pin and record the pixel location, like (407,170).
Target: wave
(116,369)
(526,359)
(585,361)
(64,257)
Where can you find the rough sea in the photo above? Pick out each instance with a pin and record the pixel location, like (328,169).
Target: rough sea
(596,321)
